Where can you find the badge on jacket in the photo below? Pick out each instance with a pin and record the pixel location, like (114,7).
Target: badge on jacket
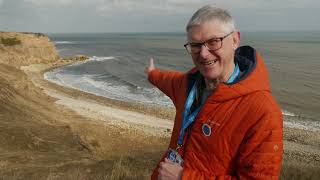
(206,129)
(174,156)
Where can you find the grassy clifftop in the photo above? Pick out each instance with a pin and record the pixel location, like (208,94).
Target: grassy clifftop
(31,138)
(18,49)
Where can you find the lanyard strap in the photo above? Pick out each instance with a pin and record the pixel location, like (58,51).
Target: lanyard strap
(188,117)
(235,74)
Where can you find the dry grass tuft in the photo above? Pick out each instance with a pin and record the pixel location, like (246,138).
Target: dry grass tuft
(299,172)
(119,171)
(10,41)
(124,169)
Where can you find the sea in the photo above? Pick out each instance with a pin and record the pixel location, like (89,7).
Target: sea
(116,65)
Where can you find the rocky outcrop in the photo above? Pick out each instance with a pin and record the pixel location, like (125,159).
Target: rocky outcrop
(78,57)
(17,49)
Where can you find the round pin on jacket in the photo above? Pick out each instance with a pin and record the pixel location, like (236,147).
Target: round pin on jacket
(206,129)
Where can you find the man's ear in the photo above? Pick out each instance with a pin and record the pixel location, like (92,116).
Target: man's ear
(236,39)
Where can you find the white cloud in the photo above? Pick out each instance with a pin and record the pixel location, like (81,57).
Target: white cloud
(48,3)
(176,5)
(189,6)
(150,7)
(149,15)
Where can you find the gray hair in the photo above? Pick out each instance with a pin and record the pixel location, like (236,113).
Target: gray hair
(208,13)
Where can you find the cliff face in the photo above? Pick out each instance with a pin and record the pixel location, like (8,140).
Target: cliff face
(17,49)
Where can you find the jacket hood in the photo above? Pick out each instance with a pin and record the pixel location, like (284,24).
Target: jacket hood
(254,77)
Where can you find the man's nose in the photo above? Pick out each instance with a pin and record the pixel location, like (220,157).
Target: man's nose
(204,53)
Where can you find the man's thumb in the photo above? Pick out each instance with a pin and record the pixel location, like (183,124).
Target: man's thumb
(151,62)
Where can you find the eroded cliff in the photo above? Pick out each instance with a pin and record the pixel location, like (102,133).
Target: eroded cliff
(17,49)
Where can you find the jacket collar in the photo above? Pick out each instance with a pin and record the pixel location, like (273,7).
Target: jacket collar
(254,77)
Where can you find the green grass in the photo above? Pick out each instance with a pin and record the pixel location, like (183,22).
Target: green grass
(10,41)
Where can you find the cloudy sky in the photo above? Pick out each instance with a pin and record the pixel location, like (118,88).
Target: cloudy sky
(152,15)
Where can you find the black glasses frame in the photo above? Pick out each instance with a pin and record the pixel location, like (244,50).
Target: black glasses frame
(205,43)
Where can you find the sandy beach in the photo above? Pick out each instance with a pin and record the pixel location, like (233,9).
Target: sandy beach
(103,109)
(53,132)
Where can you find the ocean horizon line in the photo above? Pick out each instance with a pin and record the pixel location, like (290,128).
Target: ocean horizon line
(171,32)
(183,32)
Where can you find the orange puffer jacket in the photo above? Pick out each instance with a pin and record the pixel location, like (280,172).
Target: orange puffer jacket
(246,123)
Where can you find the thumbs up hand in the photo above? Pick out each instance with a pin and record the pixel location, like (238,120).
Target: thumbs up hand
(150,67)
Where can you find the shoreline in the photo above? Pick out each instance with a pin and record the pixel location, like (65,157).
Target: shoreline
(150,109)
(153,110)
(88,105)
(301,147)
(291,120)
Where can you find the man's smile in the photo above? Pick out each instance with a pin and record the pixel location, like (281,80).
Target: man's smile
(208,63)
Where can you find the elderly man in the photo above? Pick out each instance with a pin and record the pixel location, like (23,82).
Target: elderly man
(227,124)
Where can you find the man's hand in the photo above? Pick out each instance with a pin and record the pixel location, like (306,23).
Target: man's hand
(150,67)
(169,170)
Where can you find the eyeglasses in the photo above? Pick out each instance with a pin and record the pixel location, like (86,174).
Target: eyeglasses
(212,45)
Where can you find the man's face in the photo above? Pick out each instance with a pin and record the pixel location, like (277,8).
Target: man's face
(218,64)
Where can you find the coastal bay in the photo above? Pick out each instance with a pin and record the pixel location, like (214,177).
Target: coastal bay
(49,131)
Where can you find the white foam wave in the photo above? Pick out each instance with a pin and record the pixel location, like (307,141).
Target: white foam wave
(292,120)
(63,42)
(287,113)
(90,59)
(123,92)
(96,58)
(305,125)
(87,84)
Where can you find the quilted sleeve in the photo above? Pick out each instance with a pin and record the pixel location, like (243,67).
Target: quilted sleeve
(260,155)
(167,81)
